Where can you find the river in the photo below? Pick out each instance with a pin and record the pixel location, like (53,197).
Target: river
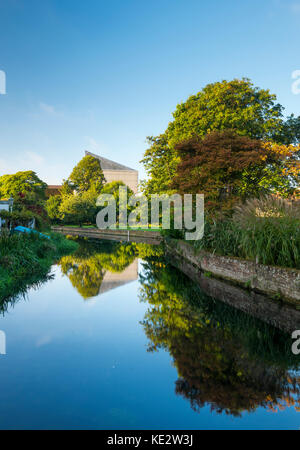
(119,339)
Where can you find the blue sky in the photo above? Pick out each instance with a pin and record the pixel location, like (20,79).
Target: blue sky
(102,75)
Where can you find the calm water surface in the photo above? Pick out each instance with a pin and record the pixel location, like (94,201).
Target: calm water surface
(112,342)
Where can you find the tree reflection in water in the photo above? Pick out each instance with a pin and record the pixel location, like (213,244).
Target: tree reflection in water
(224,358)
(87,267)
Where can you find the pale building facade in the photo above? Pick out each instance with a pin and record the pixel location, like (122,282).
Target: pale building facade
(114,171)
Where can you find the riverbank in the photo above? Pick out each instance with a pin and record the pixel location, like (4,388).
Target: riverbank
(280,283)
(277,282)
(26,259)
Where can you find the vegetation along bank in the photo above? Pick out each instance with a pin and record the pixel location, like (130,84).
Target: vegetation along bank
(25,259)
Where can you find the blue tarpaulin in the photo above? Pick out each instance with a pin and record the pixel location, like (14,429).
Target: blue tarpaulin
(20,229)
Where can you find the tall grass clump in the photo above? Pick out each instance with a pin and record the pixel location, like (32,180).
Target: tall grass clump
(270,230)
(27,258)
(266,230)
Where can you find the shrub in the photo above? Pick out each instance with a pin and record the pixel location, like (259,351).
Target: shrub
(52,207)
(80,208)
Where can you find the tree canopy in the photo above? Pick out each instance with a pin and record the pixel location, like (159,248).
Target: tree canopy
(22,183)
(87,174)
(79,208)
(226,166)
(237,105)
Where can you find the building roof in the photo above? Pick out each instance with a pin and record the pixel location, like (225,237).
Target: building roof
(107,164)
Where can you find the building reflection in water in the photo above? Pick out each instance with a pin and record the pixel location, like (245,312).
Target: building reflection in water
(98,268)
(113,280)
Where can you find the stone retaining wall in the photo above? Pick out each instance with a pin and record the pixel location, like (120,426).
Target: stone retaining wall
(273,281)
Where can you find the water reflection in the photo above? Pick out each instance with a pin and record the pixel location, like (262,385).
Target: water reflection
(95,269)
(224,358)
(98,267)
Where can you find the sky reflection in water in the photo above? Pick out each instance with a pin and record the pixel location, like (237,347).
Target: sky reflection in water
(98,348)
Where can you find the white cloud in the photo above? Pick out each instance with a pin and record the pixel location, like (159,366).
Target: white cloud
(49,109)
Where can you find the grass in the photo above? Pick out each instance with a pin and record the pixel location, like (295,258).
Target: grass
(264,230)
(26,260)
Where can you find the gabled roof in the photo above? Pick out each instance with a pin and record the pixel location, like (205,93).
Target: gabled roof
(107,164)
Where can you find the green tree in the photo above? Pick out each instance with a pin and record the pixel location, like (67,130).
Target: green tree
(224,358)
(79,208)
(66,189)
(289,132)
(52,207)
(160,162)
(236,105)
(113,189)
(87,174)
(22,183)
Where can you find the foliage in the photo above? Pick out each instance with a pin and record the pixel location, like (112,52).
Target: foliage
(160,162)
(289,132)
(79,208)
(282,172)
(26,259)
(216,164)
(226,167)
(265,230)
(113,189)
(270,231)
(67,188)
(53,207)
(86,267)
(31,203)
(224,358)
(87,174)
(21,183)
(16,218)
(236,105)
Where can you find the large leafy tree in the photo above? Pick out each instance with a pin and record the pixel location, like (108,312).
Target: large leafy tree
(80,208)
(160,162)
(237,105)
(87,174)
(220,357)
(113,189)
(226,166)
(22,183)
(52,207)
